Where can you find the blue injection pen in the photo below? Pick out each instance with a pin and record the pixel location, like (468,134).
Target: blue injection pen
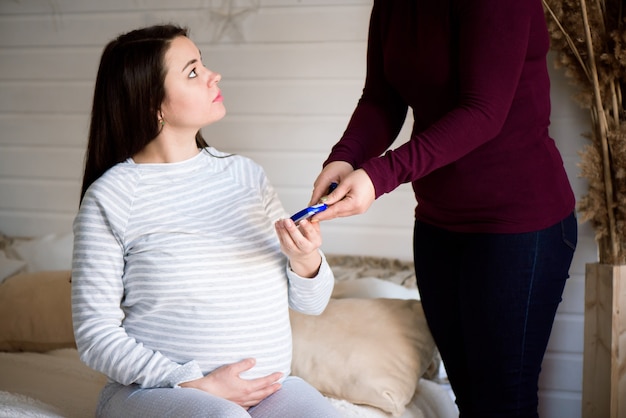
(312,210)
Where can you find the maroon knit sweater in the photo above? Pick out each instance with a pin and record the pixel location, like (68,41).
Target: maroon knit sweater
(474,73)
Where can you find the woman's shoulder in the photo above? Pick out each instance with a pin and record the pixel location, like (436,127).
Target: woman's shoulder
(244,170)
(231,160)
(117,180)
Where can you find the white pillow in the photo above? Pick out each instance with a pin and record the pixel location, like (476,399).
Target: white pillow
(9,267)
(51,252)
(372,287)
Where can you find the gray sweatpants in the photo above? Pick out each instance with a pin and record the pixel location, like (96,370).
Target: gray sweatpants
(296,398)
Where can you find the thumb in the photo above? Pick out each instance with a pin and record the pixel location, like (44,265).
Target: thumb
(337,192)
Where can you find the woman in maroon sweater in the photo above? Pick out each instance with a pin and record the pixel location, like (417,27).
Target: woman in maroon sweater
(495,230)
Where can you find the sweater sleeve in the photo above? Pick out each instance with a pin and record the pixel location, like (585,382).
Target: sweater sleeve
(490,47)
(311,296)
(98,292)
(380,112)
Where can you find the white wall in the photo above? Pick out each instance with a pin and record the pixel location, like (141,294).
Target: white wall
(289,87)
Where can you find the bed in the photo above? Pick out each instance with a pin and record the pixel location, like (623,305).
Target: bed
(370,353)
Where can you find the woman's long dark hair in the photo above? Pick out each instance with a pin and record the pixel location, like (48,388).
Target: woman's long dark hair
(127,97)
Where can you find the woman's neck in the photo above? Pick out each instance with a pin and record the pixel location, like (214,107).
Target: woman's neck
(163,151)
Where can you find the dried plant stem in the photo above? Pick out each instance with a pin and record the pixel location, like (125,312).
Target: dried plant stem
(568,39)
(602,134)
(601,5)
(616,101)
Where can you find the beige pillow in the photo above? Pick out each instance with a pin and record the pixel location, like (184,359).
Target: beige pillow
(366,351)
(36,312)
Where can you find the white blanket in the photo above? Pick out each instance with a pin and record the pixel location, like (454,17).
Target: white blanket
(14,405)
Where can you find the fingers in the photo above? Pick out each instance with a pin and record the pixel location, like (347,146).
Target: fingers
(263,383)
(334,172)
(320,189)
(227,383)
(337,193)
(320,193)
(256,397)
(302,239)
(253,398)
(241,366)
(300,244)
(343,208)
(255,390)
(306,237)
(353,196)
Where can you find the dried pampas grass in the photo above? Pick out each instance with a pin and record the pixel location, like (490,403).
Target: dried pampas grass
(590,38)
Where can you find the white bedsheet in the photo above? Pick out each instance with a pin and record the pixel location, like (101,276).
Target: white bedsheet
(15,405)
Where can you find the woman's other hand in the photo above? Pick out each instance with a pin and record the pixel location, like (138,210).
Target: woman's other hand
(334,172)
(354,195)
(226,383)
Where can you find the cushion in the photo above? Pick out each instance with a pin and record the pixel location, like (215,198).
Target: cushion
(9,267)
(373,287)
(57,378)
(48,253)
(366,351)
(36,312)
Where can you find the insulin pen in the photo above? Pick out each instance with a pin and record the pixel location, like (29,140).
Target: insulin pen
(312,210)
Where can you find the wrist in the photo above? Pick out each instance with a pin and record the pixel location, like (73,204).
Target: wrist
(307,267)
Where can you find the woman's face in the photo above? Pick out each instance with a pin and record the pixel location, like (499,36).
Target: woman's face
(192,98)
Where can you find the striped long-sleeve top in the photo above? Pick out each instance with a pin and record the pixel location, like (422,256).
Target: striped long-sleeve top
(177,270)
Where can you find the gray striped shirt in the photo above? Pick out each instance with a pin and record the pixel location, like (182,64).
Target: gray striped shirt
(177,270)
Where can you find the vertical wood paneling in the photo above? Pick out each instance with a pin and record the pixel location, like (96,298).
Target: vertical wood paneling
(604,367)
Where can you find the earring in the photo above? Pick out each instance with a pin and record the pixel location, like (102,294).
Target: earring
(162,122)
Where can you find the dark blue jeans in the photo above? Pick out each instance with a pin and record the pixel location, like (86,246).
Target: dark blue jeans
(490,301)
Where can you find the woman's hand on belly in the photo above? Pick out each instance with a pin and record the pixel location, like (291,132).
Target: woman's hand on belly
(226,383)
